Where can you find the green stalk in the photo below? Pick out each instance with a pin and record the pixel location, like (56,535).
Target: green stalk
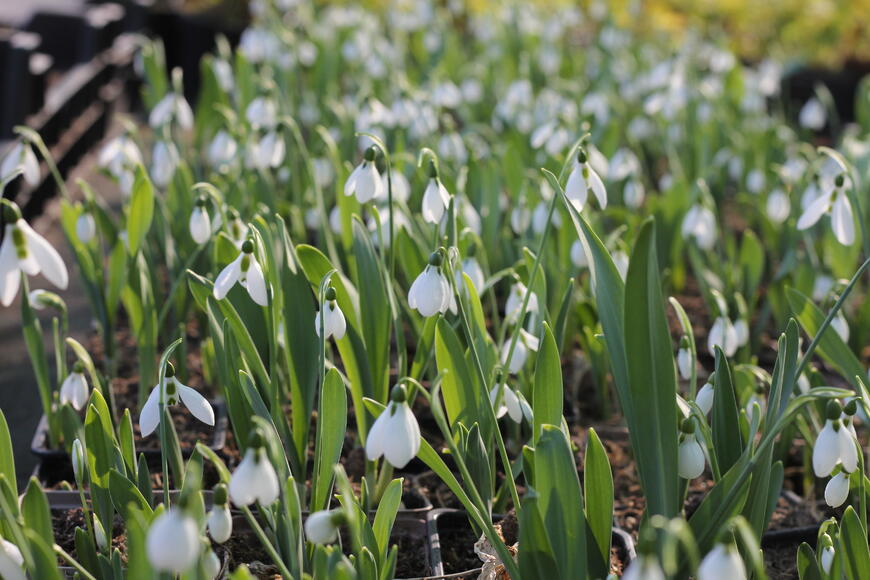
(72,562)
(269,547)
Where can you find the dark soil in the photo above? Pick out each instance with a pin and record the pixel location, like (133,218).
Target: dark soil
(65,522)
(413,560)
(780,561)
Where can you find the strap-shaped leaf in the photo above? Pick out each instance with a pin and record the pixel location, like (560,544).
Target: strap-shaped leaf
(548,394)
(598,487)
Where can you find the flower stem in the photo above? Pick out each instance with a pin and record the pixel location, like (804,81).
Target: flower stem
(264,539)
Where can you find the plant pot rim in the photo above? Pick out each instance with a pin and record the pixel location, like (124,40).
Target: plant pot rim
(39,444)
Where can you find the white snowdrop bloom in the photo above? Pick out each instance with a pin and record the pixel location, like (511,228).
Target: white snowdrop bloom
(793,170)
(700,224)
(173,542)
(685,362)
(633,193)
(11,561)
(778,206)
(21,156)
(834,445)
(246,271)
(86,227)
(321,527)
(515,302)
(722,563)
(837,490)
(222,150)
(755,181)
(832,200)
(334,323)
(74,390)
(452,147)
(164,162)
(23,250)
(200,223)
(266,153)
(471,267)
(395,434)
(401,187)
(645,567)
(582,179)
(822,286)
(723,335)
(691,458)
(827,556)
(596,105)
(841,326)
(578,255)
(211,564)
(472,90)
(510,403)
(813,115)
(364,181)
(526,342)
(520,219)
(119,155)
(220,523)
(78,460)
(172,107)
(666,182)
(223,72)
(262,113)
(539,218)
(254,480)
(430,293)
(620,260)
(100,535)
(623,164)
(436,199)
(704,398)
(741,328)
(173,393)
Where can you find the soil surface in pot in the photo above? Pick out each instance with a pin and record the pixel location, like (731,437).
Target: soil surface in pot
(64,523)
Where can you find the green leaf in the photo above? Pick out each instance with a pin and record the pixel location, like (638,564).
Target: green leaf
(598,487)
(807,565)
(141,210)
(461,396)
(854,551)
(386,515)
(652,380)
(45,562)
(331,425)
(7,457)
(124,493)
(548,394)
(34,508)
(536,556)
(727,441)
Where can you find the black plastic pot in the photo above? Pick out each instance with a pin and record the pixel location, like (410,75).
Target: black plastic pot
(441,521)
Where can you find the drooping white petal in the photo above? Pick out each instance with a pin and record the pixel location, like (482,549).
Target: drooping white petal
(199,225)
(198,406)
(367,183)
(402,439)
(86,227)
(427,292)
(598,189)
(149,417)
(644,568)
(778,206)
(704,398)
(435,201)
(319,528)
(512,402)
(691,458)
(518,358)
(254,480)
(842,221)
(847,449)
(837,490)
(11,561)
(722,563)
(350,184)
(220,523)
(826,451)
(378,433)
(50,263)
(74,391)
(334,322)
(501,410)
(10,277)
(162,112)
(814,212)
(578,255)
(256,283)
(685,363)
(827,558)
(228,277)
(173,542)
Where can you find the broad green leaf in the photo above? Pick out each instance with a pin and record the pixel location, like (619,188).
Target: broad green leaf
(727,441)
(34,508)
(45,561)
(386,515)
(461,395)
(537,558)
(807,565)
(548,394)
(854,551)
(331,424)
(598,488)
(141,210)
(124,493)
(7,457)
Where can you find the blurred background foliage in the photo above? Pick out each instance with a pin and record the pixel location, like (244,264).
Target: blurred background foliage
(832,33)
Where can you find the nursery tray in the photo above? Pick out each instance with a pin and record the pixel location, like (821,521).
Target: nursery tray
(439,517)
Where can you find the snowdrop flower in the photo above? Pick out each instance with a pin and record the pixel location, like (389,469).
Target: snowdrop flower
(334,323)
(401,187)
(21,156)
(211,564)
(436,198)
(173,542)
(74,390)
(395,434)
(364,181)
(813,115)
(691,454)
(221,151)
(837,490)
(11,561)
(23,250)
(620,260)
(828,553)
(472,268)
(645,567)
(219,521)
(119,156)
(164,162)
(778,206)
(633,193)
(321,527)
(623,165)
(722,563)
(822,285)
(755,181)
(266,153)
(835,444)
(254,480)
(705,396)
(520,219)
(173,393)
(78,460)
(841,326)
(430,293)
(685,364)
(509,404)
(700,224)
(223,72)
(578,255)
(526,342)
(246,271)
(86,227)
(262,113)
(583,179)
(172,107)
(833,200)
(741,329)
(236,228)
(515,302)
(539,218)
(723,335)
(200,222)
